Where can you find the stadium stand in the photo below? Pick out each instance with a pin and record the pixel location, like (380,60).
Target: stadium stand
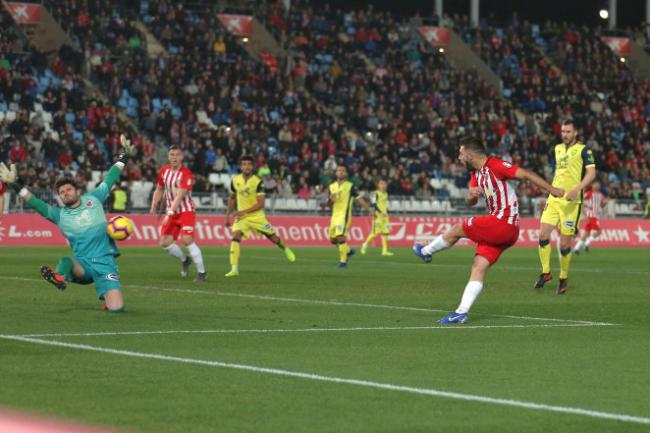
(358,87)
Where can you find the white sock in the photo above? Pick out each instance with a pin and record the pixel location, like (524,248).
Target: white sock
(472,290)
(579,245)
(197,257)
(175,251)
(590,239)
(438,244)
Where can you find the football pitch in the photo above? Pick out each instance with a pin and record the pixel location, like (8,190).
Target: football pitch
(306,347)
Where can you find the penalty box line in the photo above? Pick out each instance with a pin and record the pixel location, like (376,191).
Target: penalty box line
(332,302)
(301,330)
(431,392)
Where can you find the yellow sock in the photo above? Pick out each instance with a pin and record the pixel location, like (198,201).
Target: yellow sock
(343,252)
(371,237)
(234,254)
(565,261)
(545,256)
(384,243)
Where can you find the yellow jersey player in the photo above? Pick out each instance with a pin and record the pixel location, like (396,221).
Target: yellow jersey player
(248,191)
(380,221)
(574,170)
(341,194)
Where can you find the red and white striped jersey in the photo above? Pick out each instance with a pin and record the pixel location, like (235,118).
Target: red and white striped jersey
(172,181)
(500,196)
(593,201)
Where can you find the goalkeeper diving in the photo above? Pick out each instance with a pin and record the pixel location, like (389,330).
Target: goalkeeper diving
(83,223)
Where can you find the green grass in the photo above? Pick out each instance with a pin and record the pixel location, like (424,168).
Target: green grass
(599,368)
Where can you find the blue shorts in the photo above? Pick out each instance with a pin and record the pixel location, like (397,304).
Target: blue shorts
(102,271)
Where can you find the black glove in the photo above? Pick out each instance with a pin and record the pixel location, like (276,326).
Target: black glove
(127,150)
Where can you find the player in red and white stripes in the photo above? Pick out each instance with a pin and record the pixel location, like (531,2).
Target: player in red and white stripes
(495,232)
(175,183)
(594,201)
(3,188)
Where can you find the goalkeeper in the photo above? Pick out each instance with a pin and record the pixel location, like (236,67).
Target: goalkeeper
(83,224)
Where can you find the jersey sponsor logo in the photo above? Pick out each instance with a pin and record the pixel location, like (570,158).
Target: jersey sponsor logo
(507,164)
(113,277)
(569,224)
(470,221)
(84,219)
(89,203)
(267,227)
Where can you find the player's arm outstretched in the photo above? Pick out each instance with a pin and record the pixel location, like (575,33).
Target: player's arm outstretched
(524,174)
(104,189)
(10,177)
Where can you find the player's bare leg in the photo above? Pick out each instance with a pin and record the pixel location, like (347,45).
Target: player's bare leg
(114,301)
(280,243)
(545,251)
(234,254)
(197,257)
(173,249)
(442,242)
(565,261)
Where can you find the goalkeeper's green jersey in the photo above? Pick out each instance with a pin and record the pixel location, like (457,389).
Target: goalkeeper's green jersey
(84,226)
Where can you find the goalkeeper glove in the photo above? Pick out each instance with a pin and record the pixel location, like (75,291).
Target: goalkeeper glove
(128,150)
(9,176)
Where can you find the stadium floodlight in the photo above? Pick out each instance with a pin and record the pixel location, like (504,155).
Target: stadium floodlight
(245,40)
(622,59)
(603,13)
(441,50)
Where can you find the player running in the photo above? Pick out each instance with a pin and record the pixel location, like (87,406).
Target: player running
(247,189)
(495,232)
(341,193)
(83,223)
(594,202)
(177,227)
(574,170)
(380,221)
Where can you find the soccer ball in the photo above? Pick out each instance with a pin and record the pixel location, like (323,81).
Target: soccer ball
(119,227)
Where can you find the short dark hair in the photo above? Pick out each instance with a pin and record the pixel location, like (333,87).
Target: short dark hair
(246,158)
(173,147)
(472,144)
(65,181)
(568,121)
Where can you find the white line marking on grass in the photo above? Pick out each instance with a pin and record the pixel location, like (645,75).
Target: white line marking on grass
(418,262)
(332,302)
(348,381)
(284,331)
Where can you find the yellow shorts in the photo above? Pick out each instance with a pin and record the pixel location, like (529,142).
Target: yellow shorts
(257,223)
(566,215)
(339,226)
(380,225)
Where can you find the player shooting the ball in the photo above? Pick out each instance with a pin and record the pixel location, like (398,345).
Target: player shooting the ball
(83,223)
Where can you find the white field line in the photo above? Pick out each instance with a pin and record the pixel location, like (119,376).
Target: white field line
(332,302)
(413,263)
(299,330)
(347,381)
